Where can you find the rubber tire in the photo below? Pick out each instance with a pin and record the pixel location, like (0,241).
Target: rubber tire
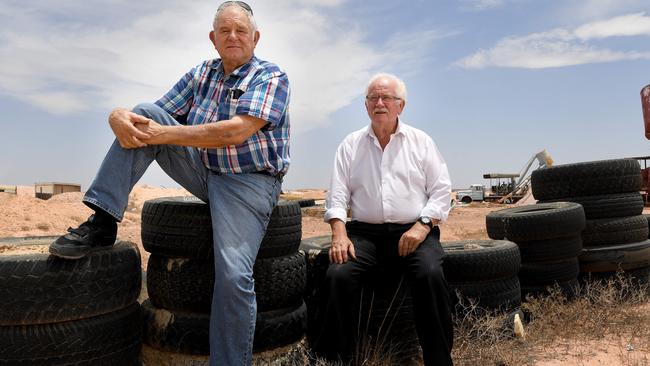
(611,258)
(647,217)
(478,260)
(306,202)
(548,273)
(188,333)
(177,227)
(550,249)
(466,199)
(617,230)
(536,222)
(639,277)
(110,339)
(607,205)
(38,288)
(569,288)
(492,296)
(186,284)
(182,227)
(586,179)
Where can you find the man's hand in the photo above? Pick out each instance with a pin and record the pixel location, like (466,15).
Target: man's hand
(341,248)
(412,239)
(154,130)
(123,123)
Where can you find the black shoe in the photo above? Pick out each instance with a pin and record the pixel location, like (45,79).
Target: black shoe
(92,235)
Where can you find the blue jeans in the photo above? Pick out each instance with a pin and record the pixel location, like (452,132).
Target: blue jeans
(240,206)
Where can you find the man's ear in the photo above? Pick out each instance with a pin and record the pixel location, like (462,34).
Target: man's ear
(402,105)
(213,38)
(256,37)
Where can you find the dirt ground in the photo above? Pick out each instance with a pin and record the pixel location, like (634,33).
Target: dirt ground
(24,215)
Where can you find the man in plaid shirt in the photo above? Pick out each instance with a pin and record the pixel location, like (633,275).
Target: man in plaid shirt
(222,132)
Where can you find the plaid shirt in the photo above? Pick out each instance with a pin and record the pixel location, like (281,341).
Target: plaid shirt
(257,88)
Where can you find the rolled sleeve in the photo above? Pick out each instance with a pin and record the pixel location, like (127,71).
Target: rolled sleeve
(267,99)
(338,196)
(438,185)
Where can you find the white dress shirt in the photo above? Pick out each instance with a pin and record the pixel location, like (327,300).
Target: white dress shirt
(407,180)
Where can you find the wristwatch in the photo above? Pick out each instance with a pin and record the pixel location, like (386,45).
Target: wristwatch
(426,221)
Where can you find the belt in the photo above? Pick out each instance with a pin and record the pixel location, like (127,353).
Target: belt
(279,176)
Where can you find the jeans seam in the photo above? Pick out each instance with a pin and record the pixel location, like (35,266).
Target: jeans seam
(103,207)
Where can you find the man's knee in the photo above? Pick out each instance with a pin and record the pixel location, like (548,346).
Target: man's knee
(339,274)
(147,109)
(430,273)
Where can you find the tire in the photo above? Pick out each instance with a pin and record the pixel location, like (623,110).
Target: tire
(607,205)
(280,281)
(586,179)
(639,277)
(466,199)
(550,249)
(280,327)
(188,333)
(491,296)
(38,288)
(618,230)
(548,273)
(647,217)
(569,288)
(110,339)
(611,258)
(182,227)
(307,202)
(187,284)
(177,227)
(477,260)
(536,222)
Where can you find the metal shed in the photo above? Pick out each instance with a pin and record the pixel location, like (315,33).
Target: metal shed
(46,190)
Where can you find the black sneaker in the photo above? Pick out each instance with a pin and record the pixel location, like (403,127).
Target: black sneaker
(90,236)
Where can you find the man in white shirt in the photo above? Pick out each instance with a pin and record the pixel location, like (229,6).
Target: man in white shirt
(395,182)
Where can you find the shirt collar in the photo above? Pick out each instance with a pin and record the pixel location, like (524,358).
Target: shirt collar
(241,70)
(398,131)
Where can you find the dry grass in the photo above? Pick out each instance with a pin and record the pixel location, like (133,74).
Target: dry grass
(613,315)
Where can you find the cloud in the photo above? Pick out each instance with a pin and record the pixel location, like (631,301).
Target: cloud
(561,47)
(623,26)
(84,55)
(481,4)
(589,10)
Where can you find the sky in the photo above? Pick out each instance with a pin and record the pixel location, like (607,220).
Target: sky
(491,81)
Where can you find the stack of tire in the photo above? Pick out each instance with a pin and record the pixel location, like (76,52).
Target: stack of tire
(69,312)
(616,233)
(481,272)
(177,231)
(549,239)
(386,306)
(482,275)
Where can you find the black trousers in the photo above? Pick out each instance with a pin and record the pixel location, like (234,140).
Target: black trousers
(376,246)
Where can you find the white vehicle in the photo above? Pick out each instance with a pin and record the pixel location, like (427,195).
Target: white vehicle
(476,192)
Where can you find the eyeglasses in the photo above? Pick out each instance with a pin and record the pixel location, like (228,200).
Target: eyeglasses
(241,4)
(386,98)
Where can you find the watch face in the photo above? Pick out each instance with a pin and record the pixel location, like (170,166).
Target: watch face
(425,220)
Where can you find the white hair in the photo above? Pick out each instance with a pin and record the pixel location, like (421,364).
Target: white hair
(401,87)
(251,19)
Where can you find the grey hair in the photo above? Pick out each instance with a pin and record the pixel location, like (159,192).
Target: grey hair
(401,86)
(251,19)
